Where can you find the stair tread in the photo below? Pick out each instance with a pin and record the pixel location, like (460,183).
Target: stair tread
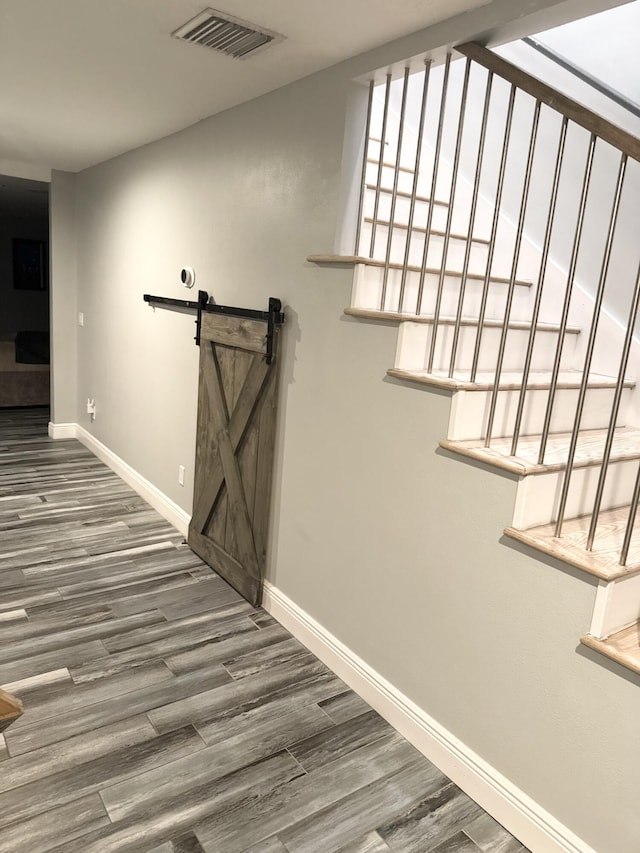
(405,194)
(397,316)
(603,561)
(350,260)
(388,165)
(589,450)
(434,231)
(509,380)
(622,647)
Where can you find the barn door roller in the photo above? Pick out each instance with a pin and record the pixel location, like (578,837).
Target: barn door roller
(273,316)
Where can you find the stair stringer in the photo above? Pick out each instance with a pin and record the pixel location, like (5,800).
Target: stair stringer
(617,601)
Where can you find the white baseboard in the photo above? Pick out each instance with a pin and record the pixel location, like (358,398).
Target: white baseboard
(536,828)
(523,817)
(62,430)
(158,500)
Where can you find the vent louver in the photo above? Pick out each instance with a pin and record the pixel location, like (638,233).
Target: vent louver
(219,31)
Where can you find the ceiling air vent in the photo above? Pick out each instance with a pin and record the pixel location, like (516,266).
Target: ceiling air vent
(222,32)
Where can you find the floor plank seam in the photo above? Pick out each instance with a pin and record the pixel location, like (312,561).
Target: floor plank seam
(166,715)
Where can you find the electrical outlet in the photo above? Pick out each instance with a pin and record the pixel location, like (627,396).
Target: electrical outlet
(91,408)
(181,475)
(80,318)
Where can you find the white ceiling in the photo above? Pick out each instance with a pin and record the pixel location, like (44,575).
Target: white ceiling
(84,80)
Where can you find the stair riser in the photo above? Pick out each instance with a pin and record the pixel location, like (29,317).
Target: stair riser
(469,412)
(617,606)
(464,190)
(414,342)
(402,210)
(367,293)
(405,180)
(455,250)
(538,495)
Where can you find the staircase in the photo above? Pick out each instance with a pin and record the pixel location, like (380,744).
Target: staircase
(480,247)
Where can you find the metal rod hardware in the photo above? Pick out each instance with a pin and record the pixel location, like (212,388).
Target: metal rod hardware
(605,130)
(212,308)
(494,230)
(363,179)
(624,359)
(274,316)
(394,191)
(489,181)
(540,287)
(581,74)
(471,225)
(591,344)
(383,138)
(434,181)
(416,178)
(512,277)
(567,300)
(633,509)
(447,230)
(203,298)
(167,302)
(275,307)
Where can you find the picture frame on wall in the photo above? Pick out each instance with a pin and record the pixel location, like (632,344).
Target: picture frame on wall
(29,266)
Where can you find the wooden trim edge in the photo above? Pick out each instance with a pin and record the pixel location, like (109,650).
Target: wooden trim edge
(535,827)
(527,538)
(605,648)
(356,260)
(521,467)
(465,322)
(606,130)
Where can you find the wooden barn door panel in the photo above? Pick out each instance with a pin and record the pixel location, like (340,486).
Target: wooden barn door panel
(234,451)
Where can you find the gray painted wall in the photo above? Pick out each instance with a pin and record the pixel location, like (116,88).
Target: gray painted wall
(63,298)
(393,547)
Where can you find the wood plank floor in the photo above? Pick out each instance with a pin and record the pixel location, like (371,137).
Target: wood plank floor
(163,712)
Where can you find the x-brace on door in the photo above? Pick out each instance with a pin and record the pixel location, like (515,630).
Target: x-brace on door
(234,448)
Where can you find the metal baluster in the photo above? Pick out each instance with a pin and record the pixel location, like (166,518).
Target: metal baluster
(376,204)
(434,180)
(414,188)
(626,349)
(447,230)
(363,179)
(633,509)
(394,191)
(494,229)
(567,300)
(540,285)
(472,220)
(590,346)
(512,277)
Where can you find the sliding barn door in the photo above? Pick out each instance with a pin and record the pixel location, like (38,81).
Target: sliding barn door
(234,450)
